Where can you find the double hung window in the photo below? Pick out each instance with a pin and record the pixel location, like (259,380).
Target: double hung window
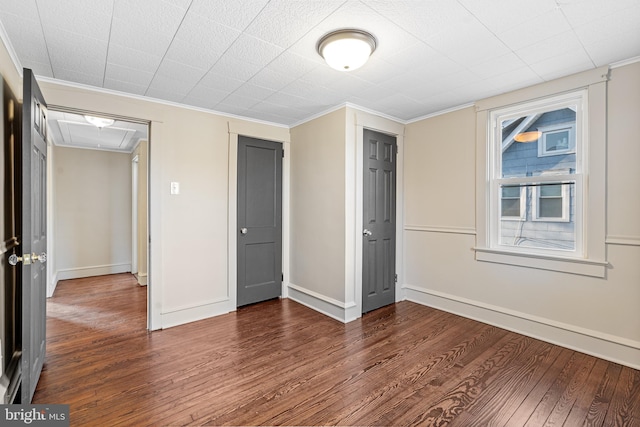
(537,161)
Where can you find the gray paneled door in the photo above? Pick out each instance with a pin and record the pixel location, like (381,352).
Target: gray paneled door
(259,220)
(34,234)
(379,222)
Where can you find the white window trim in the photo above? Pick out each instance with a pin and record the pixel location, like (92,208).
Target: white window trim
(494,140)
(593,263)
(566,206)
(542,152)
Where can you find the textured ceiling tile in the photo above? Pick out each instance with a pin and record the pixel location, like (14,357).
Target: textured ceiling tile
(235,14)
(530,32)
(614,49)
(38,68)
(22,8)
(504,15)
(473,45)
(626,21)
(138,38)
(129,75)
(221,82)
(149,15)
(572,62)
(271,80)
(170,85)
(586,11)
(209,96)
(253,91)
(126,87)
(160,91)
(281,98)
(74,15)
(235,68)
(517,79)
(239,101)
(500,65)
(292,64)
(26,37)
(277,27)
(128,57)
(200,42)
(72,52)
(180,72)
(552,47)
(424,19)
(78,77)
(253,51)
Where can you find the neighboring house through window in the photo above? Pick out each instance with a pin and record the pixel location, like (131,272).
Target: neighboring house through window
(536,162)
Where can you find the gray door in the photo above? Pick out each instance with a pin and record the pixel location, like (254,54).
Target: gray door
(379,222)
(34,234)
(259,220)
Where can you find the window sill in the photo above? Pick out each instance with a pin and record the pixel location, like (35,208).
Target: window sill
(581,266)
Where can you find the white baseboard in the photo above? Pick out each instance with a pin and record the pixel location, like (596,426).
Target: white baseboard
(193,314)
(609,347)
(141,278)
(95,270)
(323,304)
(51,286)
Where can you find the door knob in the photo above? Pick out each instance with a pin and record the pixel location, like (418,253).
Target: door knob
(366,232)
(15,259)
(243,230)
(42,257)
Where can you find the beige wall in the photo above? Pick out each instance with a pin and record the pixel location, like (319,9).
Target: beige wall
(318,206)
(596,315)
(92,212)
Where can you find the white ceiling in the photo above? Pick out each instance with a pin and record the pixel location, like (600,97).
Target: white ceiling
(73,130)
(257,58)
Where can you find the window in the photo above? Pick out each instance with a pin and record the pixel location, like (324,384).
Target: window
(512,203)
(550,202)
(562,230)
(536,176)
(557,140)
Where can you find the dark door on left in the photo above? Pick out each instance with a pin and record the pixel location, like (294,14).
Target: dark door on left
(259,232)
(33,236)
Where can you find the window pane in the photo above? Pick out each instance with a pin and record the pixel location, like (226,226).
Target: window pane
(511,207)
(550,190)
(511,192)
(522,139)
(550,208)
(557,140)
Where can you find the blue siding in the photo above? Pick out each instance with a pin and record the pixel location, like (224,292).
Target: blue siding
(522,159)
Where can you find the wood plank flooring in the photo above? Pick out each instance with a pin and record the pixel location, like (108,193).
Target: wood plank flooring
(280,363)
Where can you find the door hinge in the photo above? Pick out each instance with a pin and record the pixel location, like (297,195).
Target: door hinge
(283,153)
(396,278)
(282,277)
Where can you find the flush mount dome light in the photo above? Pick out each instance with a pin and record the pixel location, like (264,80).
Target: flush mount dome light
(347,49)
(99,122)
(528,136)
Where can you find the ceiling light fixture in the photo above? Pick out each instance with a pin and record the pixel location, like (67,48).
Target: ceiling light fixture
(99,122)
(528,136)
(346,49)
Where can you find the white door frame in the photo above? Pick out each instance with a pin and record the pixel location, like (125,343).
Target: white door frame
(134,214)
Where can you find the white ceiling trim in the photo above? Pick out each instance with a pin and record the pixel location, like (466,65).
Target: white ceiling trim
(625,62)
(153,101)
(441,112)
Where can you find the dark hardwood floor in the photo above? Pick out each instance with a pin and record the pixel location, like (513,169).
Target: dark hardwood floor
(280,363)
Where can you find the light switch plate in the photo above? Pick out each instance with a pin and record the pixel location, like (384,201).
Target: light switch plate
(175,188)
